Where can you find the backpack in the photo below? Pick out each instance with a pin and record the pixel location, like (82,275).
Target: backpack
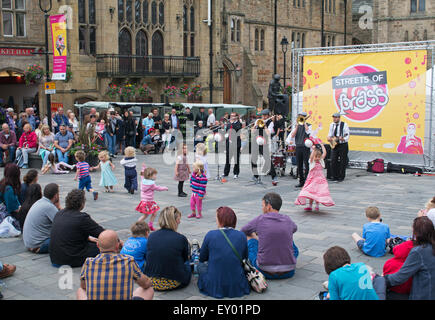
(376,166)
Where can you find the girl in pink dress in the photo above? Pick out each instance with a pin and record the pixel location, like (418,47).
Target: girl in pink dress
(316,186)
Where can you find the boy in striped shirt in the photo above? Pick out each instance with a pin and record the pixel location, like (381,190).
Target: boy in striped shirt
(198,183)
(82,173)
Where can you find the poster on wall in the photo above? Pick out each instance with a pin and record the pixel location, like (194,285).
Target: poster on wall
(58,33)
(381,96)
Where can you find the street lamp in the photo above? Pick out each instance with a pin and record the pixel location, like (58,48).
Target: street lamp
(284,45)
(46,6)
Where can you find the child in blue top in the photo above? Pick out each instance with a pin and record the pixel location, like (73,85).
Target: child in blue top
(375,235)
(347,281)
(136,246)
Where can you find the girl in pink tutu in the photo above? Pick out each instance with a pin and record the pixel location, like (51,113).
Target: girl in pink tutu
(316,186)
(147,206)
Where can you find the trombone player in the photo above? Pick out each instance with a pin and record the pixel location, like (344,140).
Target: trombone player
(300,133)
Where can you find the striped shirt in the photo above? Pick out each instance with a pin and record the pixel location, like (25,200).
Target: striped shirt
(83,169)
(198,184)
(110,276)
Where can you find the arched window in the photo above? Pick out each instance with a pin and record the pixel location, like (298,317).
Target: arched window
(192,44)
(425,35)
(161,13)
(87,27)
(184,18)
(422,5)
(406,36)
(154,12)
(413,5)
(121,10)
(233,26)
(129,11)
(141,51)
(145,11)
(137,11)
(256,39)
(303,40)
(141,44)
(262,40)
(157,50)
(192,18)
(124,43)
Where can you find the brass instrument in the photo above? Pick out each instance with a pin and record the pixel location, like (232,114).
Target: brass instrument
(300,121)
(210,130)
(260,123)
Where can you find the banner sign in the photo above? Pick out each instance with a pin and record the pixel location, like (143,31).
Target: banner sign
(58,33)
(381,96)
(16,52)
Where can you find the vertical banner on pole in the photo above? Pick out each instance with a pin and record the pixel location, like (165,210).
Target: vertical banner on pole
(382,97)
(58,33)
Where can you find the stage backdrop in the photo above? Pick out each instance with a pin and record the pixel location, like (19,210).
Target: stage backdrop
(381,96)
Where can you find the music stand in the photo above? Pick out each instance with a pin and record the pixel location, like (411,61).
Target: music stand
(259,180)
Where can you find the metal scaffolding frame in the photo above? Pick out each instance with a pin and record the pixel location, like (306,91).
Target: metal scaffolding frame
(297,73)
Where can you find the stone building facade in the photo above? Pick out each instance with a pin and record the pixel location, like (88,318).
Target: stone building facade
(393,21)
(167,42)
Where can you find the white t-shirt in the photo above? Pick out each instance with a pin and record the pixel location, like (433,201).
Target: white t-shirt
(431,215)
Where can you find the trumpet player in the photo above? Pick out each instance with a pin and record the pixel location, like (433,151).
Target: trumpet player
(263,128)
(300,133)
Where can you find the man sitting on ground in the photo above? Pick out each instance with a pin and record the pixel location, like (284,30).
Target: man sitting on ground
(110,275)
(270,240)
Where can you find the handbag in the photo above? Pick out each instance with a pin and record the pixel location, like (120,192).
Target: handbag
(256,279)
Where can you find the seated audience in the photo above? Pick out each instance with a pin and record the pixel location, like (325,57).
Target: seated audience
(46,144)
(167,260)
(147,144)
(73,233)
(345,279)
(8,143)
(270,240)
(420,263)
(400,252)
(31,177)
(375,235)
(111,275)
(429,211)
(33,195)
(37,226)
(136,245)
(63,141)
(10,188)
(220,271)
(28,144)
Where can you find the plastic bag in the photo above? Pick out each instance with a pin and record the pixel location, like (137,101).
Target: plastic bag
(8,228)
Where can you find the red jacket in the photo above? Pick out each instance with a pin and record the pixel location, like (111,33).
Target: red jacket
(28,140)
(393,265)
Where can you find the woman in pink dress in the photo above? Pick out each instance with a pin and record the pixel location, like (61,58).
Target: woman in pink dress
(316,186)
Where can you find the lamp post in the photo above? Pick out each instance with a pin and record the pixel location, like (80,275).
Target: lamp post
(322,41)
(345,21)
(275,31)
(284,45)
(46,8)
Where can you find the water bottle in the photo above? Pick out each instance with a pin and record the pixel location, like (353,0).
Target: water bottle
(195,264)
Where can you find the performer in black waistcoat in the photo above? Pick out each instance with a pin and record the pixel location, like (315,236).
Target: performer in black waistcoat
(301,132)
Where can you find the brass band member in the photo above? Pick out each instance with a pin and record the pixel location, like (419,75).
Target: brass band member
(301,132)
(263,128)
(233,145)
(338,137)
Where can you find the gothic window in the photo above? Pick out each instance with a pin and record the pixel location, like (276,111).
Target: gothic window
(233,27)
(137,11)
(262,40)
(157,50)
(422,5)
(145,11)
(124,43)
(154,12)
(141,44)
(256,39)
(185,44)
(425,35)
(121,17)
(303,40)
(129,11)
(161,13)
(413,5)
(14,18)
(185,19)
(406,36)
(87,27)
(192,45)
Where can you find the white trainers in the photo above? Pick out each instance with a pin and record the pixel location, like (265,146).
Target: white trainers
(236,176)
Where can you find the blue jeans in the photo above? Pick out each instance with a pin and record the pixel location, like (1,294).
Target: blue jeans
(11,150)
(111,143)
(44,155)
(43,249)
(85,183)
(62,157)
(252,255)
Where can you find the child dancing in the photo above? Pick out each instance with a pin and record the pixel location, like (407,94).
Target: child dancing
(182,170)
(108,179)
(82,173)
(129,164)
(316,185)
(198,183)
(147,206)
(56,168)
(201,156)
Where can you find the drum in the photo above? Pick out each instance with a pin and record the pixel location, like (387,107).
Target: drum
(291,151)
(278,161)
